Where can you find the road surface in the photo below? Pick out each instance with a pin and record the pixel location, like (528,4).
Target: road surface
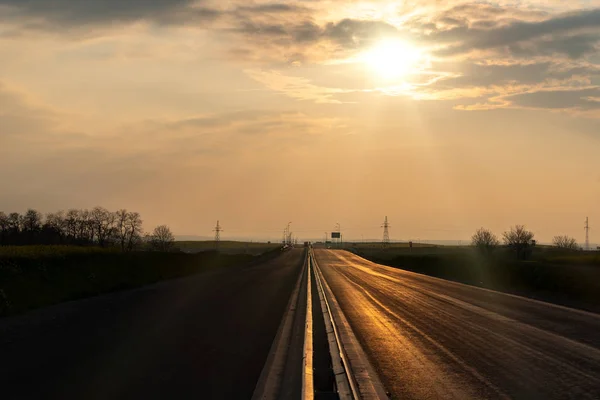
(201,337)
(433,339)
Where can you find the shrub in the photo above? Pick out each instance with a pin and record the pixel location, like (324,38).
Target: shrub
(484,239)
(520,240)
(565,242)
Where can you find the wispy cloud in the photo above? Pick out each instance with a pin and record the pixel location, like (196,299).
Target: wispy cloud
(295,87)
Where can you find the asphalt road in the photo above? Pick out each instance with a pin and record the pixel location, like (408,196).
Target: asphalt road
(434,339)
(201,337)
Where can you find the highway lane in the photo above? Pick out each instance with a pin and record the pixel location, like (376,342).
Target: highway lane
(201,337)
(434,339)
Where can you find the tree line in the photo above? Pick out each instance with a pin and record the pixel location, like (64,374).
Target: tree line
(519,239)
(95,227)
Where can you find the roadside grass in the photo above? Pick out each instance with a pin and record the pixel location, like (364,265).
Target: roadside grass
(570,278)
(36,276)
(391,245)
(578,258)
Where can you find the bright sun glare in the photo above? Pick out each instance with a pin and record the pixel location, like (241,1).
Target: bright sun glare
(392,58)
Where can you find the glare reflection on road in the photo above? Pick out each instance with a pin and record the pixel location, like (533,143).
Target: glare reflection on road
(430,338)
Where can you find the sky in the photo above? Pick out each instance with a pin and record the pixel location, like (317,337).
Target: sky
(444,116)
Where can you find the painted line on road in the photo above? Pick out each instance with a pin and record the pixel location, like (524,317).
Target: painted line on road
(308,386)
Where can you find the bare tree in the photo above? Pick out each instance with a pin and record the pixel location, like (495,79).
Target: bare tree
(4,227)
(104,225)
(135,230)
(11,228)
(85,226)
(14,223)
(122,228)
(520,240)
(162,239)
(32,221)
(81,227)
(56,221)
(565,242)
(70,224)
(53,229)
(484,239)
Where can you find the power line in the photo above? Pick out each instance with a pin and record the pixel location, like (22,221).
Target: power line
(587,234)
(217,232)
(287,235)
(386,232)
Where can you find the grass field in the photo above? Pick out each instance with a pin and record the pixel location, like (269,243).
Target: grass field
(567,277)
(226,247)
(545,254)
(36,252)
(35,276)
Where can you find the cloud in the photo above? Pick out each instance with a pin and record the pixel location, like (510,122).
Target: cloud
(493,15)
(342,36)
(585,99)
(496,56)
(493,86)
(579,101)
(472,30)
(66,15)
(45,165)
(62,14)
(352,33)
(22,117)
(504,51)
(574,46)
(271,8)
(479,51)
(529,73)
(460,29)
(39,131)
(574,34)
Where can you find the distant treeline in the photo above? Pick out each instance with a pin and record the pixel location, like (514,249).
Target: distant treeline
(96,227)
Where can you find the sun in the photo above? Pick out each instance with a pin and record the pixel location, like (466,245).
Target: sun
(392,58)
